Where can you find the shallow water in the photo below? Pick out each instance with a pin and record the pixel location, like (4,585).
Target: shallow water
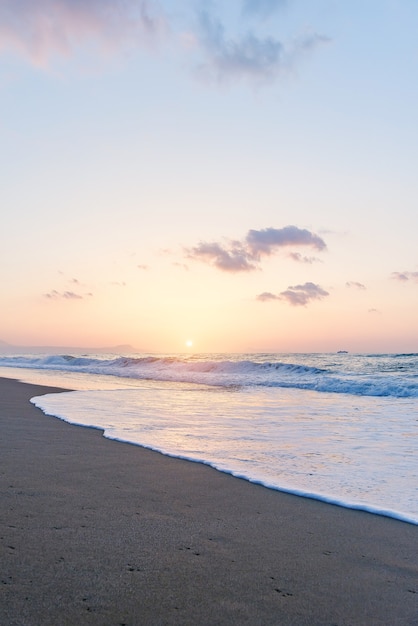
(354,450)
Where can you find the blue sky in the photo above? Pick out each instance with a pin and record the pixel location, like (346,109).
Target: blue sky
(141,143)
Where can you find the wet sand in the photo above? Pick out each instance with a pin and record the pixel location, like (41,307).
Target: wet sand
(98,532)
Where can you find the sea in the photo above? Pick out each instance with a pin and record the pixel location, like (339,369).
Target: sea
(340,427)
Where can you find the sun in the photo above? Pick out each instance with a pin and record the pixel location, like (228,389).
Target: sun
(189,343)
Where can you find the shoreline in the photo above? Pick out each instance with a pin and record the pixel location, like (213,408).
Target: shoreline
(311,495)
(97,531)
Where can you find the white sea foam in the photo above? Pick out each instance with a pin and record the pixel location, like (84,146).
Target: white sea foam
(355,451)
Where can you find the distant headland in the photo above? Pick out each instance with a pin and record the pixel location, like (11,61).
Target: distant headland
(7,348)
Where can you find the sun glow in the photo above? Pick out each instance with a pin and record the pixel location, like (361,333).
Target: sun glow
(189,343)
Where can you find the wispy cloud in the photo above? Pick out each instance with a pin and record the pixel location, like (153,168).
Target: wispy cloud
(246,255)
(299,258)
(182,266)
(64,295)
(405,276)
(263,8)
(247,56)
(354,284)
(142,266)
(43,28)
(267,296)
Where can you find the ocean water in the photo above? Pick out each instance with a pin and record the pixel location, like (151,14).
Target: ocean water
(342,428)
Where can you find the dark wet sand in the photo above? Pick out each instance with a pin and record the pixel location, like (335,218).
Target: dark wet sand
(99,532)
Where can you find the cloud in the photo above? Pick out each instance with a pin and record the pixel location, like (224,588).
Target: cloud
(41,29)
(182,266)
(267,240)
(296,256)
(64,295)
(236,259)
(263,8)
(267,296)
(355,284)
(141,266)
(298,295)
(248,56)
(405,276)
(301,295)
(245,256)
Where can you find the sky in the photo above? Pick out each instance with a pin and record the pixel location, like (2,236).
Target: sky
(207,176)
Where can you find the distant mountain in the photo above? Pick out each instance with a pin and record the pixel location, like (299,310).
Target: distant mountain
(7,348)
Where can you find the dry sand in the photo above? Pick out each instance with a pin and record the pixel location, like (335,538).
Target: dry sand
(99,532)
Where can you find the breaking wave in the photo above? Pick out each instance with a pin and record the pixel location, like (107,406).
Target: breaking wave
(364,375)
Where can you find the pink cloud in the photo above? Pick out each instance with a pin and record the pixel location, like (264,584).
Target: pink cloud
(245,256)
(297,295)
(301,295)
(63,295)
(405,276)
(355,284)
(299,258)
(267,240)
(40,29)
(234,259)
(267,296)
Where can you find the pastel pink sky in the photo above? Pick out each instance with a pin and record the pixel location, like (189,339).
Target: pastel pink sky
(242,177)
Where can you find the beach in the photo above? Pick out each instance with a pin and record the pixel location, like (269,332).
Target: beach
(100,532)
